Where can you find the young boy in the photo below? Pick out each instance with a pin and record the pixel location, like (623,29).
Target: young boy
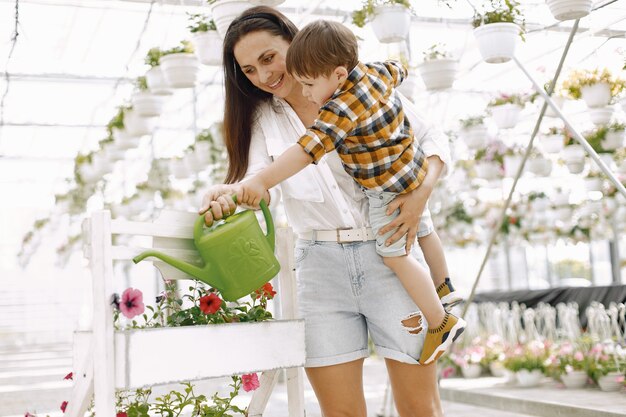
(361,117)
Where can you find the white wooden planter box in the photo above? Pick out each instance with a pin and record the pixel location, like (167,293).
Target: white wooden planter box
(439,74)
(569,9)
(391,23)
(497,41)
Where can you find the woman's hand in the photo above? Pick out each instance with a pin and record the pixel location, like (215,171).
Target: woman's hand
(218,203)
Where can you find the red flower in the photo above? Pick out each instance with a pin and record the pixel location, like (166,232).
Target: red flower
(250,382)
(209,304)
(69,376)
(63,406)
(121,414)
(131,304)
(512,220)
(29,415)
(266,290)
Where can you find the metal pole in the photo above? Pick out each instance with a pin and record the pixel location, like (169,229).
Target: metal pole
(614,251)
(521,167)
(591,263)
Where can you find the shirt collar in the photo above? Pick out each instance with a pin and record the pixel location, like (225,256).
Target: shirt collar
(354,77)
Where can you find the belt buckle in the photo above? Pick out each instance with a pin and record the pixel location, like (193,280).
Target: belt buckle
(339,240)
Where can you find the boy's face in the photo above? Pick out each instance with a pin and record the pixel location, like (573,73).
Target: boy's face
(320,89)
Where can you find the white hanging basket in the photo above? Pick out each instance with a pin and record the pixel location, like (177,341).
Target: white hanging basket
(475,137)
(593,184)
(569,9)
(156,81)
(147,104)
(563,214)
(391,23)
(506,115)
(541,167)
(560,199)
(136,125)
(607,158)
(208,47)
(225,11)
(179,168)
(559,101)
(574,379)
(487,170)
(613,140)
(596,95)
(271,3)
(600,116)
(573,153)
(511,165)
(439,74)
(575,167)
(552,143)
(180,70)
(497,41)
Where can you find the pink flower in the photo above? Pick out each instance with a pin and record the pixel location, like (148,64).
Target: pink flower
(69,376)
(447,372)
(250,382)
(579,356)
(131,304)
(29,415)
(209,304)
(63,406)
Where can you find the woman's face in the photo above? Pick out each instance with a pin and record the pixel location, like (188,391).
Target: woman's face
(261,57)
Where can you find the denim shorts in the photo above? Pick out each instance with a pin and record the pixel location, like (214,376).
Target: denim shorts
(345,291)
(378,202)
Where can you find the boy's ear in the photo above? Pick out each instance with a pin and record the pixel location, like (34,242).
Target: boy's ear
(341,73)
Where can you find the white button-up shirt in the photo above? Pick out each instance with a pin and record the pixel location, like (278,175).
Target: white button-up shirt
(322,196)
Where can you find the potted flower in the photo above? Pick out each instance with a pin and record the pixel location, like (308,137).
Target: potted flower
(207,42)
(490,160)
(439,69)
(538,201)
(146,103)
(496,30)
(225,11)
(391,19)
(597,138)
(614,138)
(606,367)
(474,131)
(569,365)
(528,363)
(596,87)
(505,109)
(569,9)
(573,154)
(127,126)
(154,76)
(539,164)
(180,66)
(470,360)
(512,160)
(593,181)
(553,141)
(494,345)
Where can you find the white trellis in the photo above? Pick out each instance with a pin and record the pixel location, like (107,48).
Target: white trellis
(106,360)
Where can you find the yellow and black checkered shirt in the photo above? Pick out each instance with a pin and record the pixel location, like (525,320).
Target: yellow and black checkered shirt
(364,121)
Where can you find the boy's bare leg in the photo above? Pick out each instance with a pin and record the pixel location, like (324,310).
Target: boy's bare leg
(435,258)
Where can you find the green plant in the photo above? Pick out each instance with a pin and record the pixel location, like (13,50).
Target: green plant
(117,122)
(595,138)
(567,357)
(435,52)
(200,23)
(493,152)
(617,127)
(501,11)
(519,99)
(458,214)
(368,9)
(583,77)
(472,121)
(185,47)
(153,56)
(531,356)
(141,84)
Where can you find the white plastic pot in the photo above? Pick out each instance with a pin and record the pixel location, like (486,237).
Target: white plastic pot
(574,379)
(611,381)
(487,170)
(180,70)
(596,95)
(225,11)
(559,101)
(613,140)
(208,47)
(593,184)
(541,167)
(575,167)
(511,165)
(506,115)
(156,81)
(147,104)
(569,9)
(475,137)
(497,41)
(527,378)
(391,23)
(573,153)
(136,125)
(600,116)
(552,143)
(439,74)
(472,370)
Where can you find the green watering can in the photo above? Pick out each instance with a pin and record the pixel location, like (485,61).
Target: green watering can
(238,258)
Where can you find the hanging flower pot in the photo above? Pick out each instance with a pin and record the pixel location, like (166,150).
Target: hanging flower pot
(474,132)
(497,41)
(225,11)
(563,214)
(593,184)
(180,69)
(559,101)
(574,379)
(574,158)
(487,170)
(552,143)
(471,370)
(511,165)
(208,47)
(439,74)
(391,23)
(540,166)
(526,378)
(505,116)
(600,116)
(147,104)
(596,95)
(156,81)
(179,169)
(569,9)
(613,140)
(138,126)
(613,381)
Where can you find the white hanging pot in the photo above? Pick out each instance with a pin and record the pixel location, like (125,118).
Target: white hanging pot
(180,70)
(607,158)
(471,370)
(123,140)
(575,167)
(611,381)
(391,23)
(593,184)
(559,101)
(596,95)
(574,379)
(511,165)
(573,153)
(475,137)
(147,104)
(497,41)
(613,140)
(487,170)
(138,126)
(621,168)
(506,115)
(439,74)
(208,47)
(541,167)
(526,378)
(179,168)
(271,3)
(569,9)
(156,81)
(552,143)
(225,11)
(600,116)
(560,199)
(563,214)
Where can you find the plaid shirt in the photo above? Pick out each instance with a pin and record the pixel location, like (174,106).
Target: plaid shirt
(365,123)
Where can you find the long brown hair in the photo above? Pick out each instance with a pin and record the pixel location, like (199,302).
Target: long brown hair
(242,97)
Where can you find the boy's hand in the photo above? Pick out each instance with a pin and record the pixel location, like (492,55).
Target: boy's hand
(250,192)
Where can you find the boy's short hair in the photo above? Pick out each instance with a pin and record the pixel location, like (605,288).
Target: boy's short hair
(320,47)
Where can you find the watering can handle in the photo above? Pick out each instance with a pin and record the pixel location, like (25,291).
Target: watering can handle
(198,228)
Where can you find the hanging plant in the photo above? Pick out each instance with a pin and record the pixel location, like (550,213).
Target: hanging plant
(496,30)
(439,69)
(391,19)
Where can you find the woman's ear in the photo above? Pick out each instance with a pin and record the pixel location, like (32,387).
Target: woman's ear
(341,73)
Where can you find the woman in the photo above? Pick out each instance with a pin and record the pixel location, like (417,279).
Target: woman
(344,289)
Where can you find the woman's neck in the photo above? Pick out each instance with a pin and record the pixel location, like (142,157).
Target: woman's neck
(306,110)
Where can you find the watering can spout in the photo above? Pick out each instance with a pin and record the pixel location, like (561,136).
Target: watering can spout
(197,272)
